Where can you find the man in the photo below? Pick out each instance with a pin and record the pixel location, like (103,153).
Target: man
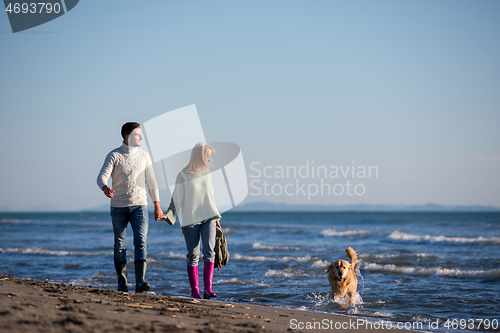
(130,169)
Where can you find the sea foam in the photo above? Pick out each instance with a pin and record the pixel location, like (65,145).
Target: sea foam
(288,272)
(243,257)
(438,271)
(284,259)
(231,281)
(268,247)
(41,251)
(399,235)
(368,256)
(348,233)
(320,264)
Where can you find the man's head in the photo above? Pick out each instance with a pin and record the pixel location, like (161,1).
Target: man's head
(131,133)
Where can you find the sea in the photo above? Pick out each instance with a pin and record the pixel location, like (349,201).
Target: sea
(432,271)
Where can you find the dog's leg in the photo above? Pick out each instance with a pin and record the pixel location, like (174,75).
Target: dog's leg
(335,296)
(352,298)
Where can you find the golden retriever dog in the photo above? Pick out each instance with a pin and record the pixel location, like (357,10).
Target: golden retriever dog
(342,277)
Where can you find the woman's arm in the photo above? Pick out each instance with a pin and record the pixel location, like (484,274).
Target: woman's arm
(171,214)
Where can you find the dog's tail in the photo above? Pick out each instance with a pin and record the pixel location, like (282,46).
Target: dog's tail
(353,256)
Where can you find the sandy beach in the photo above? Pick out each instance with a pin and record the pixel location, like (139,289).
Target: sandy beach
(34,306)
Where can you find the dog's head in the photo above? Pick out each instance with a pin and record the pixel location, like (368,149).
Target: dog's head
(340,269)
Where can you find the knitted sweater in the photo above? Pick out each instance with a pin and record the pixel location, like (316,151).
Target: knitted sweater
(194,196)
(130,169)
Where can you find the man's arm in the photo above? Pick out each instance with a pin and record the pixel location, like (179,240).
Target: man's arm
(104,174)
(153,187)
(158,211)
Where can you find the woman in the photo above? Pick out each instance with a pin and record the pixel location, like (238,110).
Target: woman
(194,195)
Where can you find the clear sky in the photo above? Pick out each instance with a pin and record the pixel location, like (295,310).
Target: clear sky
(411,87)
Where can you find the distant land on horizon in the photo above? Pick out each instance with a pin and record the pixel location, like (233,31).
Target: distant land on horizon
(428,207)
(264,206)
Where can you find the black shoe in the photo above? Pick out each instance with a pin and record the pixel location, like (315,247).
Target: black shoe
(121,271)
(140,272)
(143,287)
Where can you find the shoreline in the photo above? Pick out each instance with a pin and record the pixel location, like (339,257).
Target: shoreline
(28,305)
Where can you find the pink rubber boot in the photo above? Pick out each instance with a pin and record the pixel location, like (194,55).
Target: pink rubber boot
(208,275)
(193,281)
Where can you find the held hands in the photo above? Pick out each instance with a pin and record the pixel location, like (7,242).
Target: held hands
(165,218)
(108,191)
(159,216)
(158,212)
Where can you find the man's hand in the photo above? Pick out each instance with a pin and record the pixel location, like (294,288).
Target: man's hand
(108,191)
(158,212)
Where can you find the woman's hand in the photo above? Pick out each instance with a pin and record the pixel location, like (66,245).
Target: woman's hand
(217,223)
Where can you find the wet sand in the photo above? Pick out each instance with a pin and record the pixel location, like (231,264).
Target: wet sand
(34,306)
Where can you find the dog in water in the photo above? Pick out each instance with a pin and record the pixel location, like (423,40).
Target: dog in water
(342,277)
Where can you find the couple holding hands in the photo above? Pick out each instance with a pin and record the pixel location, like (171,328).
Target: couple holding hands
(131,171)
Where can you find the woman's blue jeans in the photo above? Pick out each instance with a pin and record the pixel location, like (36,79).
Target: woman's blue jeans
(192,233)
(138,218)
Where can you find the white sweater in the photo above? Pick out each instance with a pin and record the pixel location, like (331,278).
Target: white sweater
(194,197)
(130,169)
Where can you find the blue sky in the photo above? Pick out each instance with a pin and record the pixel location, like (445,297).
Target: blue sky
(412,87)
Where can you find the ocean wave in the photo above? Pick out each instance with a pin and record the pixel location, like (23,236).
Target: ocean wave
(84,282)
(320,264)
(41,251)
(407,270)
(284,259)
(492,273)
(102,275)
(242,257)
(99,279)
(383,314)
(288,272)
(298,259)
(355,311)
(50,222)
(399,235)
(10,221)
(368,256)
(438,271)
(348,233)
(173,255)
(228,231)
(268,247)
(230,281)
